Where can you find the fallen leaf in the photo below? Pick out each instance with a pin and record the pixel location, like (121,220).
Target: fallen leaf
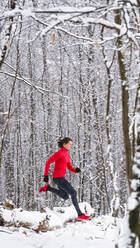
(53,38)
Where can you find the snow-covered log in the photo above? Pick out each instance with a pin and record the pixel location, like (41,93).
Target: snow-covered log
(44,220)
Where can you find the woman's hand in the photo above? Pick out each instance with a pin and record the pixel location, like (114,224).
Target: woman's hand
(46,179)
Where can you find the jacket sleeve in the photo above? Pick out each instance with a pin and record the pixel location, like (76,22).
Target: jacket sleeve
(70,167)
(51,160)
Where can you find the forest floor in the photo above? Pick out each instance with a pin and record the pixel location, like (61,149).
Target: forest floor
(58,228)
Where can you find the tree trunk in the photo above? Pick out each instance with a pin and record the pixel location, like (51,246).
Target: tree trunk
(125,102)
(11,5)
(134,213)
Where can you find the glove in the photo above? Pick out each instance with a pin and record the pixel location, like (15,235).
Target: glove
(78,170)
(46,179)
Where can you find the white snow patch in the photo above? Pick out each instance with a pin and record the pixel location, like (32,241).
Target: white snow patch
(135,168)
(132,201)
(97,232)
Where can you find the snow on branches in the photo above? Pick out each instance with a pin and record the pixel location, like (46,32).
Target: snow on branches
(96,15)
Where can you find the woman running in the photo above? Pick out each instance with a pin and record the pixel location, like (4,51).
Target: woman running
(62,162)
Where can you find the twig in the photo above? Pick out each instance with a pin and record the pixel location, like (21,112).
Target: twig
(5,231)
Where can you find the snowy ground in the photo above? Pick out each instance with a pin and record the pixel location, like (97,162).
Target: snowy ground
(81,235)
(98,232)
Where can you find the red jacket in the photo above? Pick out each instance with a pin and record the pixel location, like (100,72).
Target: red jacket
(62,162)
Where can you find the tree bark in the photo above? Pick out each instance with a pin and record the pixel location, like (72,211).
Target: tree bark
(134,213)
(125,103)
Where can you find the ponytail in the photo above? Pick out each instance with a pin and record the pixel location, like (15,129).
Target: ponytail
(63,141)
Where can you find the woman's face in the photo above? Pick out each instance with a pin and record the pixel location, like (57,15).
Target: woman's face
(68,145)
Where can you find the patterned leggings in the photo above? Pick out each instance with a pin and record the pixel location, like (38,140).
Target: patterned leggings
(64,190)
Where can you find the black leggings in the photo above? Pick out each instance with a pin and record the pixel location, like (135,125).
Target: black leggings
(64,190)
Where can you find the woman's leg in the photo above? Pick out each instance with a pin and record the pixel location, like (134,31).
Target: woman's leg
(66,187)
(60,192)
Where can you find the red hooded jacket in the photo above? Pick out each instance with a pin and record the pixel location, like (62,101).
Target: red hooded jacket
(62,162)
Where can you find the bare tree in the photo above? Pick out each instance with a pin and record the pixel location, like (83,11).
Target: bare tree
(134,199)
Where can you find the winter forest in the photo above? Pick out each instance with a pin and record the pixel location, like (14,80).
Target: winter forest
(71,68)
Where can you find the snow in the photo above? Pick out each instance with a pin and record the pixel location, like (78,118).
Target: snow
(117,203)
(3,113)
(101,21)
(65,233)
(132,201)
(135,183)
(67,9)
(135,169)
(123,29)
(60,238)
(26,12)
(33,217)
(134,2)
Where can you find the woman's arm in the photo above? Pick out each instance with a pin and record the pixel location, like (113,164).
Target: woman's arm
(51,160)
(70,167)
